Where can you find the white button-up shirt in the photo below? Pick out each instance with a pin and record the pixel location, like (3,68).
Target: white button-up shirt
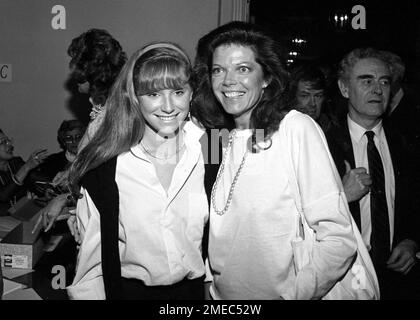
(359,142)
(160,232)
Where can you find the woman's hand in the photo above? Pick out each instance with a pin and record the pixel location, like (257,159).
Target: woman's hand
(53,209)
(36,158)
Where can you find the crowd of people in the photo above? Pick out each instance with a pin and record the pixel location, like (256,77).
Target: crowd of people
(231,177)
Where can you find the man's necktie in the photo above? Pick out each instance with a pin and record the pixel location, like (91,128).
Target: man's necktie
(380,237)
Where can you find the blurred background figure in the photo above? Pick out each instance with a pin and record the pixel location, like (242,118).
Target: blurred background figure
(96,60)
(308,93)
(55,167)
(404,108)
(69,135)
(14,172)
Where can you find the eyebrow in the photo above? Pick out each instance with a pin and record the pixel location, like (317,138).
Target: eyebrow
(239,63)
(369,76)
(312,90)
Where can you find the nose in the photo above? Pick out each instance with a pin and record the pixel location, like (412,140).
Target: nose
(229,78)
(312,101)
(168,104)
(377,88)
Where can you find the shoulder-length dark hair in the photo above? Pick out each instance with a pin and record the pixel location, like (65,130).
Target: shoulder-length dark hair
(96,57)
(271,107)
(155,67)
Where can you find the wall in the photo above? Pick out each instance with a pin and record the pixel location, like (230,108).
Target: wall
(33,105)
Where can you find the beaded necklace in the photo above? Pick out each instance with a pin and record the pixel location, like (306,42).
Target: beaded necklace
(220,173)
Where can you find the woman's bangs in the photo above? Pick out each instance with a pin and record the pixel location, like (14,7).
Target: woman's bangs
(160,76)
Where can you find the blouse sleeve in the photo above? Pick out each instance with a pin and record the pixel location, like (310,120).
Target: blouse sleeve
(324,206)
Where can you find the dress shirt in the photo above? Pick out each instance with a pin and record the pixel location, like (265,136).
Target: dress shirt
(359,142)
(160,232)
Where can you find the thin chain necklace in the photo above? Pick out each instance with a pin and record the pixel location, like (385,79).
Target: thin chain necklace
(162,158)
(220,173)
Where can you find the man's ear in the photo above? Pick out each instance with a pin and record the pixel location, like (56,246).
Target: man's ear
(344,89)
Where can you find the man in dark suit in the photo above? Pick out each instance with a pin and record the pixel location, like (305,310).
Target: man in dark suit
(371,159)
(403,114)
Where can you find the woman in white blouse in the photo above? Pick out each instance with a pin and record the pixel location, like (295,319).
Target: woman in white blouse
(253,211)
(143,205)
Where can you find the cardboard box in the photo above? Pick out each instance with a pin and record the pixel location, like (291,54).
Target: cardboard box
(27,211)
(15,253)
(20,248)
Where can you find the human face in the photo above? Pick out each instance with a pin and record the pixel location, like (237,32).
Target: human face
(165,110)
(6,148)
(71,140)
(237,81)
(368,90)
(309,100)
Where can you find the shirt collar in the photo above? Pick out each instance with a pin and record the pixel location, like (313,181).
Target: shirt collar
(357,132)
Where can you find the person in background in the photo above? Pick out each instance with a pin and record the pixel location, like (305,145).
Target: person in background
(14,171)
(241,81)
(374,158)
(69,135)
(308,93)
(96,60)
(403,114)
(143,205)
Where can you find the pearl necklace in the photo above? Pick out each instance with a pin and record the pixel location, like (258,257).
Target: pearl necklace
(162,158)
(220,173)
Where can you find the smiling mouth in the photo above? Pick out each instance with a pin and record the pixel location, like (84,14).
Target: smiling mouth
(233,94)
(167,118)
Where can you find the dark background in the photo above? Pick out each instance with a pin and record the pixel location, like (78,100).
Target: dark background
(390,25)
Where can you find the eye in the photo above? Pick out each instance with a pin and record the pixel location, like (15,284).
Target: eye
(216,70)
(152,94)
(367,82)
(385,82)
(244,69)
(179,92)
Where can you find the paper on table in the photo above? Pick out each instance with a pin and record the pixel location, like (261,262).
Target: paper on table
(11,273)
(10,286)
(24,294)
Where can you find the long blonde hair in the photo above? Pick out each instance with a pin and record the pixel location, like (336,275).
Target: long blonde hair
(155,67)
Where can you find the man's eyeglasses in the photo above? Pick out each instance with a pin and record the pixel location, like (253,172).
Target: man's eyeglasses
(6,141)
(70,139)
